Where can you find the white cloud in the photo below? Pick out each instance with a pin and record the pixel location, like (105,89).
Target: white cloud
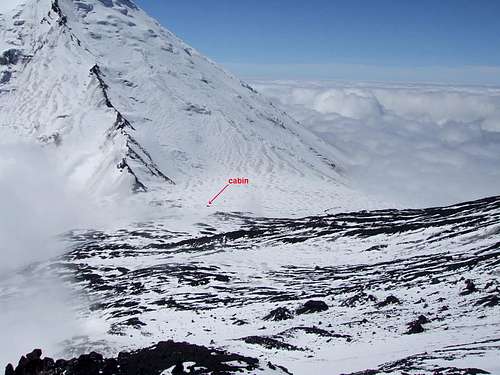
(37,205)
(416,145)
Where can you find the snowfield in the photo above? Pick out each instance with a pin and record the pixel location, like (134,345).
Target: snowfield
(7,6)
(114,136)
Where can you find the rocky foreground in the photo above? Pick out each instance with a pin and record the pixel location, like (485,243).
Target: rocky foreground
(168,357)
(177,358)
(381,292)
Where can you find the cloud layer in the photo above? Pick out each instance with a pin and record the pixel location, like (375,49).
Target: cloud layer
(417,145)
(37,205)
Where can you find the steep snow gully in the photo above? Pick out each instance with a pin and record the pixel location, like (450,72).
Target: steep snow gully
(293,272)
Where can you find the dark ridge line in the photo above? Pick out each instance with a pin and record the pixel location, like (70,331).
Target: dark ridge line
(138,185)
(57,9)
(152,168)
(62,21)
(96,70)
(121,122)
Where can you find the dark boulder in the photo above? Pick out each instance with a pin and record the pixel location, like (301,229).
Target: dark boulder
(470,287)
(389,300)
(312,306)
(280,313)
(488,301)
(88,364)
(10,57)
(414,327)
(32,364)
(165,354)
(270,343)
(417,325)
(5,77)
(360,298)
(422,319)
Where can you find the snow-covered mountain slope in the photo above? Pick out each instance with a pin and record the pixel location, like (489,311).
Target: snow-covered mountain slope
(126,105)
(121,105)
(410,291)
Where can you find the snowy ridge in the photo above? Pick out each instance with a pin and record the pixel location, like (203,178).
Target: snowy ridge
(135,153)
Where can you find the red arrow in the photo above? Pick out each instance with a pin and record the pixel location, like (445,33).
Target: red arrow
(219,193)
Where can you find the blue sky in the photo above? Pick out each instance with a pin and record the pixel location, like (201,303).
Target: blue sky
(401,40)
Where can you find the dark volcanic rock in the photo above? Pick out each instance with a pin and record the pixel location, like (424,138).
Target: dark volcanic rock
(134,322)
(149,361)
(281,313)
(275,367)
(470,287)
(358,299)
(459,371)
(178,369)
(270,343)
(5,76)
(315,331)
(488,301)
(10,57)
(414,327)
(31,364)
(422,319)
(312,306)
(166,354)
(390,300)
